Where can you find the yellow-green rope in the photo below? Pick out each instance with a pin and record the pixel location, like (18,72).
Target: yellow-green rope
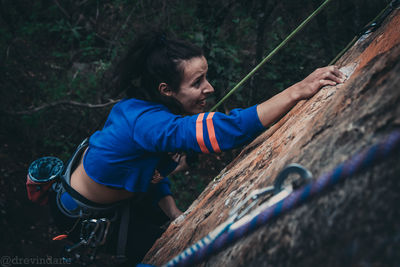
(272,53)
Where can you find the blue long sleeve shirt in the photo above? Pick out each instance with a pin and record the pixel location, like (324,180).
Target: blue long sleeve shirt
(138,135)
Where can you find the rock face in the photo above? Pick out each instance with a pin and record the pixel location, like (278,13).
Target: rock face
(357,222)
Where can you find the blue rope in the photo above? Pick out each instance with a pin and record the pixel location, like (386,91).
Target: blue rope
(360,161)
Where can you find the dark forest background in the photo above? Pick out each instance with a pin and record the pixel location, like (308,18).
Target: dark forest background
(55,63)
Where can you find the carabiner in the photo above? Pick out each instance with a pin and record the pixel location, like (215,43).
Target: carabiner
(304,174)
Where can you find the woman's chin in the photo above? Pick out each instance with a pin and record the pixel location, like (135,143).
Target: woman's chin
(196,110)
(201,109)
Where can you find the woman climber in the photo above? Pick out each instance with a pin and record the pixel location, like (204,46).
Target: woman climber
(166,85)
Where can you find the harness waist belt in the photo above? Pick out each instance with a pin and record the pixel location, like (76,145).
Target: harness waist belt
(71,202)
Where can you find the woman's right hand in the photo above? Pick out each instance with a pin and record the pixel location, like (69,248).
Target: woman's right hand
(275,107)
(321,77)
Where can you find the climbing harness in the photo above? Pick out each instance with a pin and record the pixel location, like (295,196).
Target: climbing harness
(96,221)
(97,218)
(271,54)
(229,232)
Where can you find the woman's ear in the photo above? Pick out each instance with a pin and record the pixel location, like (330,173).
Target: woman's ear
(164,89)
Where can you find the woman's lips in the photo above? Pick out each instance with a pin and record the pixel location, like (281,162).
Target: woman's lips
(203,103)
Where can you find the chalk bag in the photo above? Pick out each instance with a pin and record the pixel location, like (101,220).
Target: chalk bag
(42,173)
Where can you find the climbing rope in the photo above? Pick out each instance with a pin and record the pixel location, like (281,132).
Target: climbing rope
(271,54)
(357,163)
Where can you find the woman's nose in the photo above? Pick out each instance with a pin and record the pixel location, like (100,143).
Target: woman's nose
(208,89)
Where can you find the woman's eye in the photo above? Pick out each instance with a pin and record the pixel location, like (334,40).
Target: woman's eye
(197,83)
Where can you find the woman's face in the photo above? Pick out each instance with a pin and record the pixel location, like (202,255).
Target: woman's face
(194,88)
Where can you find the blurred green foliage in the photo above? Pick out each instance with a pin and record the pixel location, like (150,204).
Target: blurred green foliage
(185,187)
(63,50)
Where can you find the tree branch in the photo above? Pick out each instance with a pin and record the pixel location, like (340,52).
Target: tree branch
(63,103)
(62,9)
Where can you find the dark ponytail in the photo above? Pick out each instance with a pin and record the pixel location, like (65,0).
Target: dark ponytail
(150,60)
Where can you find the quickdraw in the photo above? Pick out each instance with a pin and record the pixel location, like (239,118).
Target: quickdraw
(93,235)
(279,190)
(283,186)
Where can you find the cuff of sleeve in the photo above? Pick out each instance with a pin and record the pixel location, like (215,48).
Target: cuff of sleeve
(168,167)
(251,121)
(162,189)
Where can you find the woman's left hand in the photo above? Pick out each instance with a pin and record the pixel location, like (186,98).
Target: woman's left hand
(156,177)
(168,205)
(182,164)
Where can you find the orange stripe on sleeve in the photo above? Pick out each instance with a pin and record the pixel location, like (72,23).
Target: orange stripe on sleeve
(199,133)
(211,133)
